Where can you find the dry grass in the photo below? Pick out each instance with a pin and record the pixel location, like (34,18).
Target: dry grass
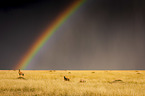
(51,83)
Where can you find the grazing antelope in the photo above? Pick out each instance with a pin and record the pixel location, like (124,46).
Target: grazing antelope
(66,79)
(82,81)
(20,73)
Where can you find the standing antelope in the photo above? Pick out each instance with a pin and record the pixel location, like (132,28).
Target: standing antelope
(20,73)
(66,79)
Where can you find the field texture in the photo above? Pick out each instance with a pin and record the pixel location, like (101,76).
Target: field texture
(82,83)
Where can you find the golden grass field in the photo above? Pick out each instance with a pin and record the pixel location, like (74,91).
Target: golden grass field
(51,83)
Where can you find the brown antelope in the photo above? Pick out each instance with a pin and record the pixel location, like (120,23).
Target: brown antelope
(20,73)
(66,79)
(82,81)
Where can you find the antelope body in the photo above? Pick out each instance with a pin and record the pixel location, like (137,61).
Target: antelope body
(20,73)
(66,79)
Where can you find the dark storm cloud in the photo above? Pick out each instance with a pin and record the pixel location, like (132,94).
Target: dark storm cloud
(21,22)
(102,34)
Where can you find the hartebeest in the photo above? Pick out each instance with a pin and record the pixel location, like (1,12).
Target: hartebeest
(20,73)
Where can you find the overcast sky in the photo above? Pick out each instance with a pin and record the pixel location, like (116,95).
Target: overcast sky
(101,34)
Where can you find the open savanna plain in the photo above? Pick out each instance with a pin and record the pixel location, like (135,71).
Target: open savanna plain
(52,83)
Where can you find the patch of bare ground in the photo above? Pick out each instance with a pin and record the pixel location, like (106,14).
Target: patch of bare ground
(117,81)
(20,78)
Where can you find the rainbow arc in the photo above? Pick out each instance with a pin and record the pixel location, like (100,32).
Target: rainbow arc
(39,43)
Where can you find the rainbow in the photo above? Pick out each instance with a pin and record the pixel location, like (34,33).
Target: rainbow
(38,44)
